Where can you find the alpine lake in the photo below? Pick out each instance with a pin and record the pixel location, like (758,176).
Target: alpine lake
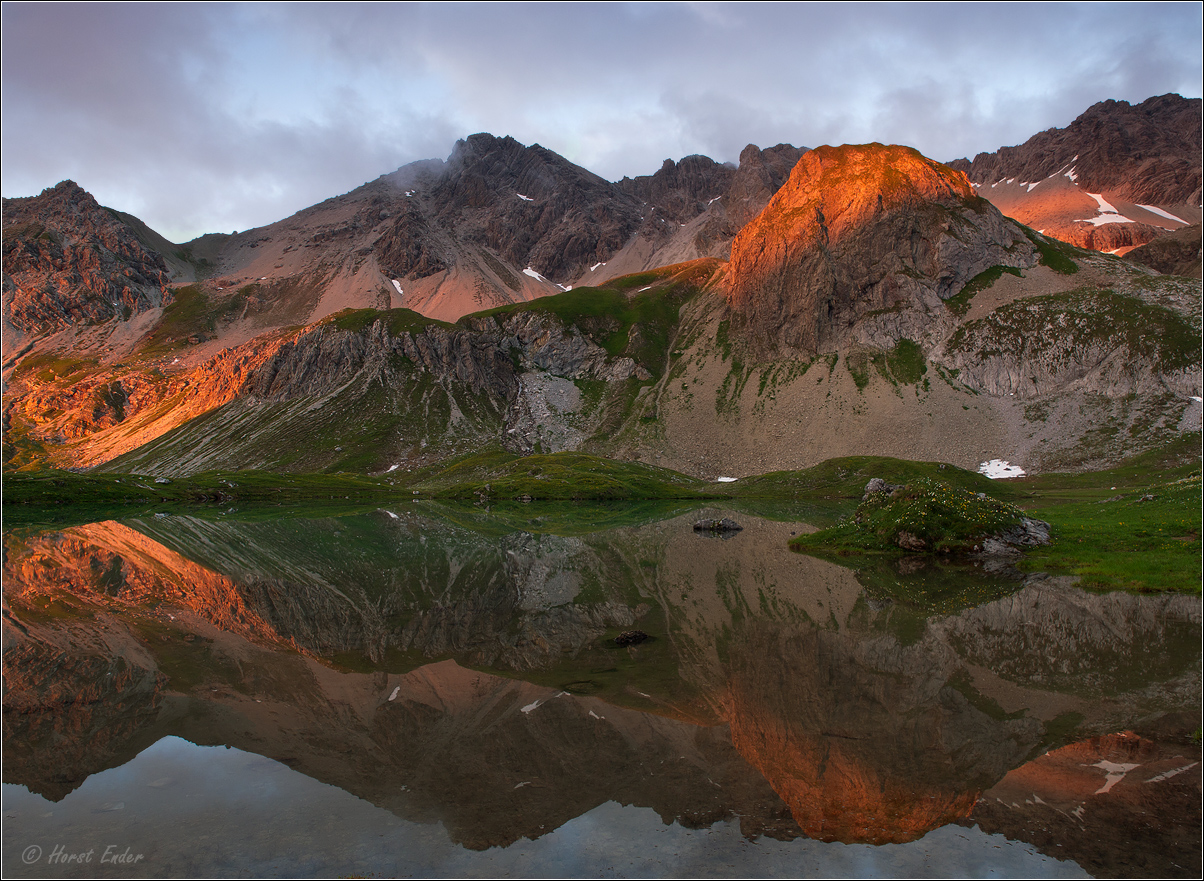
(545,690)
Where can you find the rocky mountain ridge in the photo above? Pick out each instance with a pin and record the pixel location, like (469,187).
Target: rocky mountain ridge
(871,298)
(1118,176)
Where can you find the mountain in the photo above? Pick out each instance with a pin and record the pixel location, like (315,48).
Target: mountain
(1116,177)
(68,261)
(860,230)
(844,300)
(496,223)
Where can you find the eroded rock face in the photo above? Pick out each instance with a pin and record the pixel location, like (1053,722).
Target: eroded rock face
(69,261)
(859,230)
(532,206)
(477,355)
(1096,341)
(680,191)
(1106,237)
(1148,153)
(1176,253)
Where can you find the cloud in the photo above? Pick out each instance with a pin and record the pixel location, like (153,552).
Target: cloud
(217,117)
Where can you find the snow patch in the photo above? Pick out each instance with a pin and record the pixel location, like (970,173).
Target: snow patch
(396,691)
(1105,206)
(391,514)
(1071,174)
(1108,213)
(998,468)
(595,715)
(529,707)
(535,275)
(524,198)
(725,480)
(1031,186)
(1113,773)
(1172,773)
(1154,210)
(397,287)
(595,266)
(1101,219)
(716,199)
(393,468)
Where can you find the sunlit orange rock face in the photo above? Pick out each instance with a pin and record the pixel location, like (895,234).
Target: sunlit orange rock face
(864,740)
(857,229)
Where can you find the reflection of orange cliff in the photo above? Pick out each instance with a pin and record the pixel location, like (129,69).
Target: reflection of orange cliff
(864,740)
(113,561)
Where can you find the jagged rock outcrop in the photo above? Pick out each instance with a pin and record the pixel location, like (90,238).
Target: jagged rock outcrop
(1117,177)
(533,207)
(478,355)
(1147,154)
(67,261)
(680,191)
(1176,253)
(1117,237)
(859,230)
(759,175)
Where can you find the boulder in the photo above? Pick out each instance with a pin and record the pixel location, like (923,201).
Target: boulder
(723,525)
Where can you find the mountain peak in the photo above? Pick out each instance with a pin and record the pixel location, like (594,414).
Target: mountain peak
(862,228)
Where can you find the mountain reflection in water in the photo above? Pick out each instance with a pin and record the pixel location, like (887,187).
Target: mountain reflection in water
(455,666)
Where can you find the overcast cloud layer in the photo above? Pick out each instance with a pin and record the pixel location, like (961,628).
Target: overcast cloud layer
(210,118)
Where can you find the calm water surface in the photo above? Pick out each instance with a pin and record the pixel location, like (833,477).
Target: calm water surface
(437,691)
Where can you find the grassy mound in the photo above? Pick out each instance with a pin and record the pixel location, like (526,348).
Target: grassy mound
(926,515)
(559,477)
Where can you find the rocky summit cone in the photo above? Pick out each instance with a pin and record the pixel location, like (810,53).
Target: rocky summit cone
(858,230)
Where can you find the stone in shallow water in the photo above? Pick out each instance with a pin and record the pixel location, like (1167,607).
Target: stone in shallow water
(724,525)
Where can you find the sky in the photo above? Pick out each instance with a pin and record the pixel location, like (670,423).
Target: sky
(219,117)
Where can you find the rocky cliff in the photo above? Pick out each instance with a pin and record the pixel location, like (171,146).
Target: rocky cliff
(69,261)
(1148,153)
(860,230)
(1176,253)
(1115,178)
